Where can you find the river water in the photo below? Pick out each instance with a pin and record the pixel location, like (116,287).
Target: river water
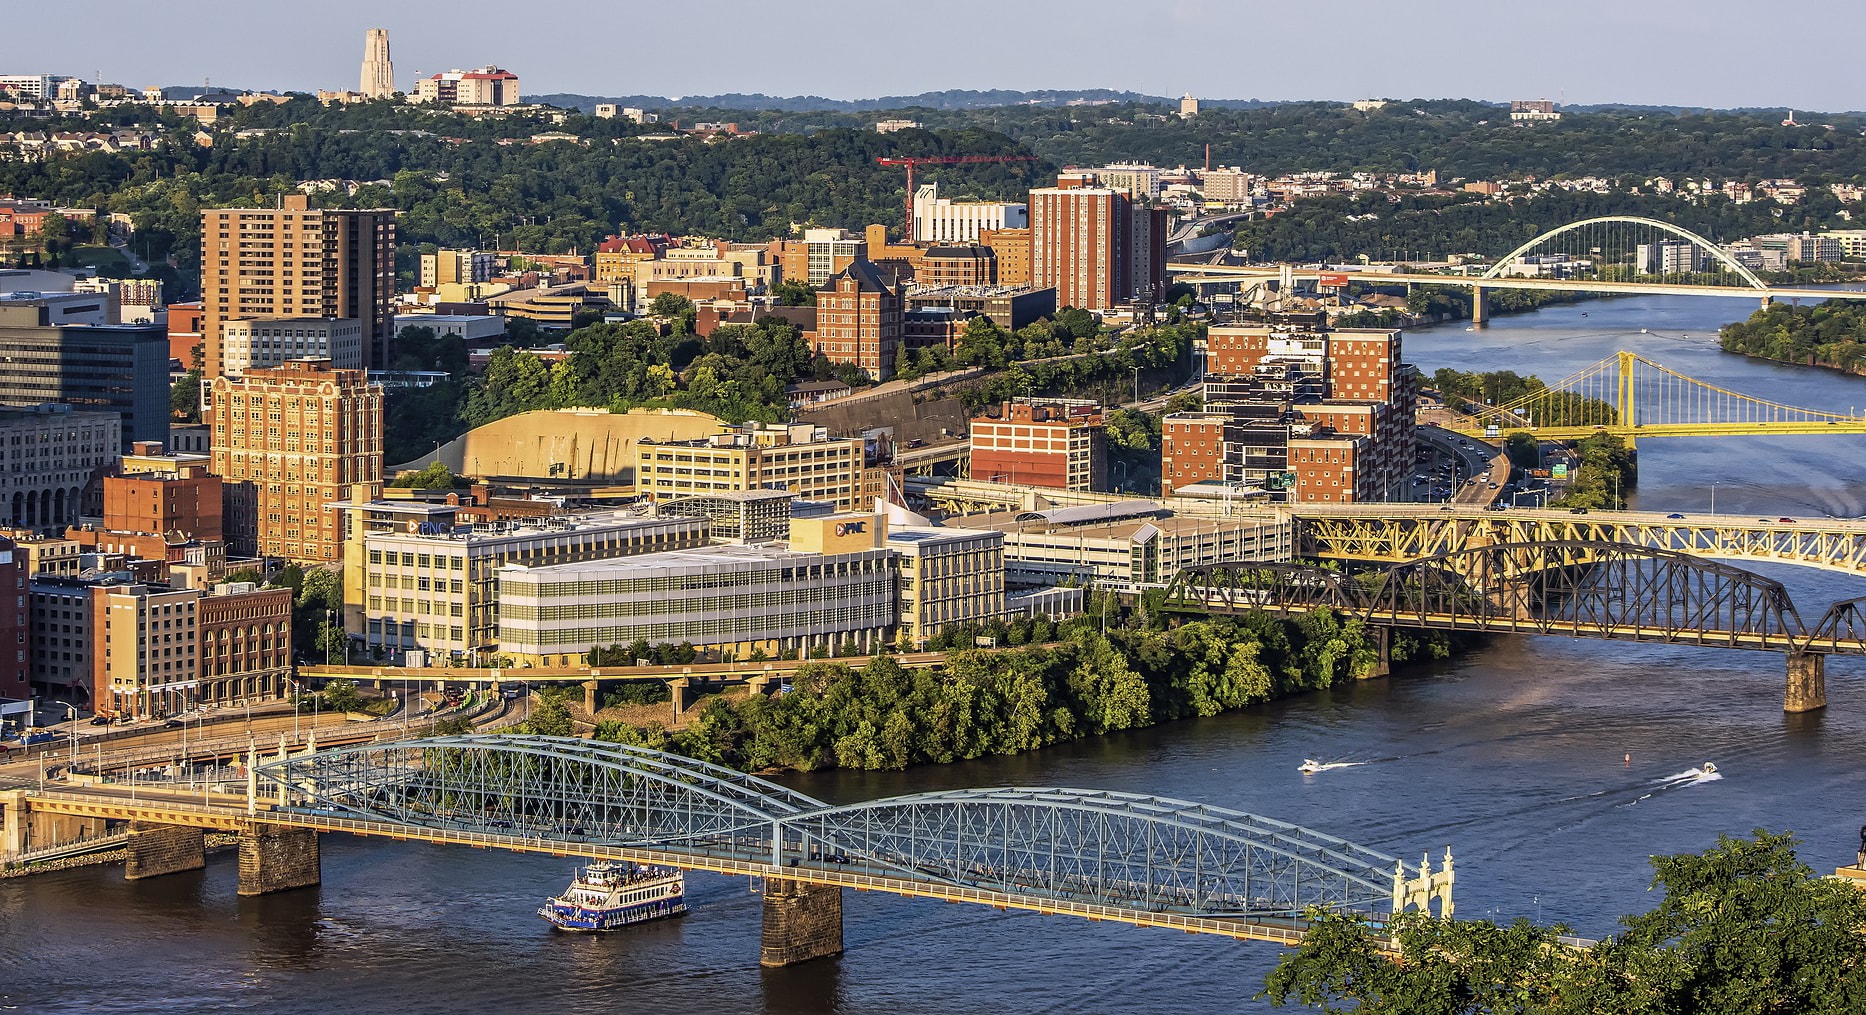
(1513,757)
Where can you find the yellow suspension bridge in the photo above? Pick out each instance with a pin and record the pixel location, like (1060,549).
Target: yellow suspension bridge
(1630,395)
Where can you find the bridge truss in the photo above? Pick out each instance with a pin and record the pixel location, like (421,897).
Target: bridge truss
(1576,588)
(1130,856)
(1630,395)
(1627,248)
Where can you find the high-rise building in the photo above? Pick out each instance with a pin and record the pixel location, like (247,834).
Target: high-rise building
(121,368)
(1012,249)
(1096,246)
(293,262)
(144,651)
(287,443)
(858,319)
(378,71)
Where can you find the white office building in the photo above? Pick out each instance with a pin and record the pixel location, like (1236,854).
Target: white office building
(942,220)
(254,343)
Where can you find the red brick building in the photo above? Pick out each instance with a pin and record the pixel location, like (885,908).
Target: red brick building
(957,264)
(15,624)
(156,504)
(1057,443)
(1094,245)
(184,332)
(858,319)
(245,643)
(1192,449)
(1327,469)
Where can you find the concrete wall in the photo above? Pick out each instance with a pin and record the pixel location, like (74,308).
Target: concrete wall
(590,443)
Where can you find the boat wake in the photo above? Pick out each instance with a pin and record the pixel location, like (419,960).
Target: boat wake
(1310,766)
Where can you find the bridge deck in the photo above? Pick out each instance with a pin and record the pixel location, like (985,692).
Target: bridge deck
(230,813)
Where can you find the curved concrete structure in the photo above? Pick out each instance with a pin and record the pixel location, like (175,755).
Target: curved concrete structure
(590,444)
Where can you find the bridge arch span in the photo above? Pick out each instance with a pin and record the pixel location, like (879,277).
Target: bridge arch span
(540,786)
(1718,253)
(1108,848)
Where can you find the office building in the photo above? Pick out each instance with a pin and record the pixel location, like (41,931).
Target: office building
(436,591)
(1141,183)
(127,300)
(144,649)
(121,369)
(248,344)
(378,81)
(819,255)
(1011,249)
(858,319)
(294,261)
(1225,186)
(957,265)
(1053,442)
(288,441)
(835,583)
(50,459)
(1097,246)
(737,516)
(245,638)
(1669,257)
(798,457)
(186,502)
(15,624)
(1126,545)
(59,660)
(1009,307)
(457,267)
(486,86)
(942,220)
(949,578)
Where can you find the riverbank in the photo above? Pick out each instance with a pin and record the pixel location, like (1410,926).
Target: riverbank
(1828,336)
(1086,684)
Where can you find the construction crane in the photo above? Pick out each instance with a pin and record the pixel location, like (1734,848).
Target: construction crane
(939,160)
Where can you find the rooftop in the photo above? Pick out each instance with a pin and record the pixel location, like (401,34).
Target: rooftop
(723,558)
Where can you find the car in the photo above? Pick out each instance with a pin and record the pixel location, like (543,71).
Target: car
(100,720)
(1496,507)
(1786,520)
(1674,516)
(1493,486)
(916,443)
(174,724)
(1577,511)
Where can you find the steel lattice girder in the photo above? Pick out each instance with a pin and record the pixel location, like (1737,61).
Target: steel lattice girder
(1122,850)
(1581,588)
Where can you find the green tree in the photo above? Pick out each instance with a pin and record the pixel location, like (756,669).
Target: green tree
(793,292)
(433,476)
(184,397)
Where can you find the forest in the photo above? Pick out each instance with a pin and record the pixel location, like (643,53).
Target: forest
(464,181)
(1831,335)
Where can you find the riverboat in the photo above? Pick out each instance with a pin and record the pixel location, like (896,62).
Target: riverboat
(607,896)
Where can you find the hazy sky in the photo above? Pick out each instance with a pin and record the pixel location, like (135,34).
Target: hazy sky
(1671,52)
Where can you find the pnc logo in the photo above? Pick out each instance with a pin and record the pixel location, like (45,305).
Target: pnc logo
(850,528)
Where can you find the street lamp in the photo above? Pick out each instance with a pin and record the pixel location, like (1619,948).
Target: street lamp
(72,711)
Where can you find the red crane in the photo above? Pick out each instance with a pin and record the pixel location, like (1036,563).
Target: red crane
(939,160)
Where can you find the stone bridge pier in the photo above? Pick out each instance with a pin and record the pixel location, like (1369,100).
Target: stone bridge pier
(273,858)
(801,922)
(1807,682)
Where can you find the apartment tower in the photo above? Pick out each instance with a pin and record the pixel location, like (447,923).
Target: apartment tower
(287,443)
(1097,246)
(378,71)
(295,262)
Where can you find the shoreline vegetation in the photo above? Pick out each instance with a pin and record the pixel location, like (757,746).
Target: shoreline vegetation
(1830,336)
(876,714)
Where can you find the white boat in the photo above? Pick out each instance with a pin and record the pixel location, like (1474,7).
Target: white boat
(1310,766)
(605,896)
(1708,769)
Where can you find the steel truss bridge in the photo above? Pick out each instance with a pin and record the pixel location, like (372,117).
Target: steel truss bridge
(1595,255)
(1630,395)
(1111,856)
(1120,857)
(1570,587)
(1398,533)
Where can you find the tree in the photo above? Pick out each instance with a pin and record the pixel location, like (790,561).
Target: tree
(1742,929)
(184,397)
(434,476)
(670,305)
(793,292)
(342,696)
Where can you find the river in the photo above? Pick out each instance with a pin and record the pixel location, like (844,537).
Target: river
(1512,757)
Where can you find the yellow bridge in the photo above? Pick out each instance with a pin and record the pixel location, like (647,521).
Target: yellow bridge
(1629,395)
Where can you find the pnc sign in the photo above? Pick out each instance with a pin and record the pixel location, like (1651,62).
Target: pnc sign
(850,528)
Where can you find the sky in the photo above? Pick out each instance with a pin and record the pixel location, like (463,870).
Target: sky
(1704,53)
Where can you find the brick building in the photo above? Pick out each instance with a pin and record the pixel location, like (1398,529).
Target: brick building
(1056,443)
(858,319)
(188,503)
(1011,248)
(966,264)
(1097,246)
(245,638)
(287,442)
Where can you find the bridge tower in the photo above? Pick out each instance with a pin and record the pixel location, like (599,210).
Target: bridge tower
(1807,682)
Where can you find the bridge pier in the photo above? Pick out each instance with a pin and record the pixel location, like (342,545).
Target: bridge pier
(1383,647)
(13,822)
(278,858)
(1807,682)
(1480,305)
(592,696)
(801,922)
(163,849)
